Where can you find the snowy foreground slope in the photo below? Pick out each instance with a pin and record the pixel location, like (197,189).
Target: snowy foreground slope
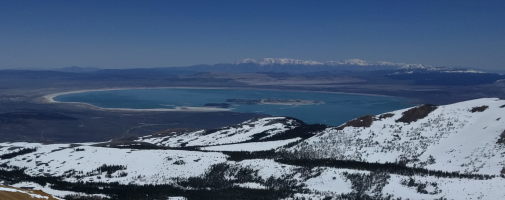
(465,137)
(428,152)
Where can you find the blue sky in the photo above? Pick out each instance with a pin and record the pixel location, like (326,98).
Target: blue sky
(115,34)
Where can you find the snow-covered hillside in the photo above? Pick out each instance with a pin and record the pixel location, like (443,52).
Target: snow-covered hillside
(460,137)
(453,151)
(84,162)
(259,134)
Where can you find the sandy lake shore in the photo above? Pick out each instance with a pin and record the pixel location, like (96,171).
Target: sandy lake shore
(50,98)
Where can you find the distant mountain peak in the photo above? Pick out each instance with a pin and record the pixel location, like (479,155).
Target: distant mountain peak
(76,69)
(280,61)
(405,65)
(354,62)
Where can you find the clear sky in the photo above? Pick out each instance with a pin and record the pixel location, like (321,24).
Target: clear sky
(115,34)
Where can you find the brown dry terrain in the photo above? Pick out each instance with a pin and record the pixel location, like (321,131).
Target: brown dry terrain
(24,194)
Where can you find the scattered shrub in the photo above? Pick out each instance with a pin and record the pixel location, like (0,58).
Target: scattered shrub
(501,140)
(479,109)
(109,169)
(365,121)
(367,185)
(179,162)
(416,113)
(422,187)
(214,177)
(385,116)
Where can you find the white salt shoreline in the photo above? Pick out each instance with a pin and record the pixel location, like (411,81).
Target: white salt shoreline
(50,99)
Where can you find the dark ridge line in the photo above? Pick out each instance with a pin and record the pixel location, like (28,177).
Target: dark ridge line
(391,168)
(17,153)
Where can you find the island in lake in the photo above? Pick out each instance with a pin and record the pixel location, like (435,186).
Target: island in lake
(290,102)
(217,105)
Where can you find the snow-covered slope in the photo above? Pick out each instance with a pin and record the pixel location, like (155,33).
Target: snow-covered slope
(259,132)
(453,151)
(459,137)
(252,146)
(330,182)
(98,164)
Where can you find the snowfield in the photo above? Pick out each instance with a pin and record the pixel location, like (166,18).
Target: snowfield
(453,151)
(448,188)
(252,130)
(450,138)
(81,162)
(251,146)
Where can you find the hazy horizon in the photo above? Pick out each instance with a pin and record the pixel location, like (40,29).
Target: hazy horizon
(498,70)
(130,34)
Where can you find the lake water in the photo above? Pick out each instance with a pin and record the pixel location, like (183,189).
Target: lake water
(329,108)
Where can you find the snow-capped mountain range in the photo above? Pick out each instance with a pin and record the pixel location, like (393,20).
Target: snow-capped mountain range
(347,62)
(291,61)
(452,151)
(353,62)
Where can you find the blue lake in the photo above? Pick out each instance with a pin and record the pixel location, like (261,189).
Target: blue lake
(328,108)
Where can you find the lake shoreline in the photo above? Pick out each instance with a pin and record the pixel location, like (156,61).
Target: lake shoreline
(50,98)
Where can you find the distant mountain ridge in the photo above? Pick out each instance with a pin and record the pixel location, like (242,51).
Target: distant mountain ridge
(285,65)
(428,83)
(353,62)
(290,62)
